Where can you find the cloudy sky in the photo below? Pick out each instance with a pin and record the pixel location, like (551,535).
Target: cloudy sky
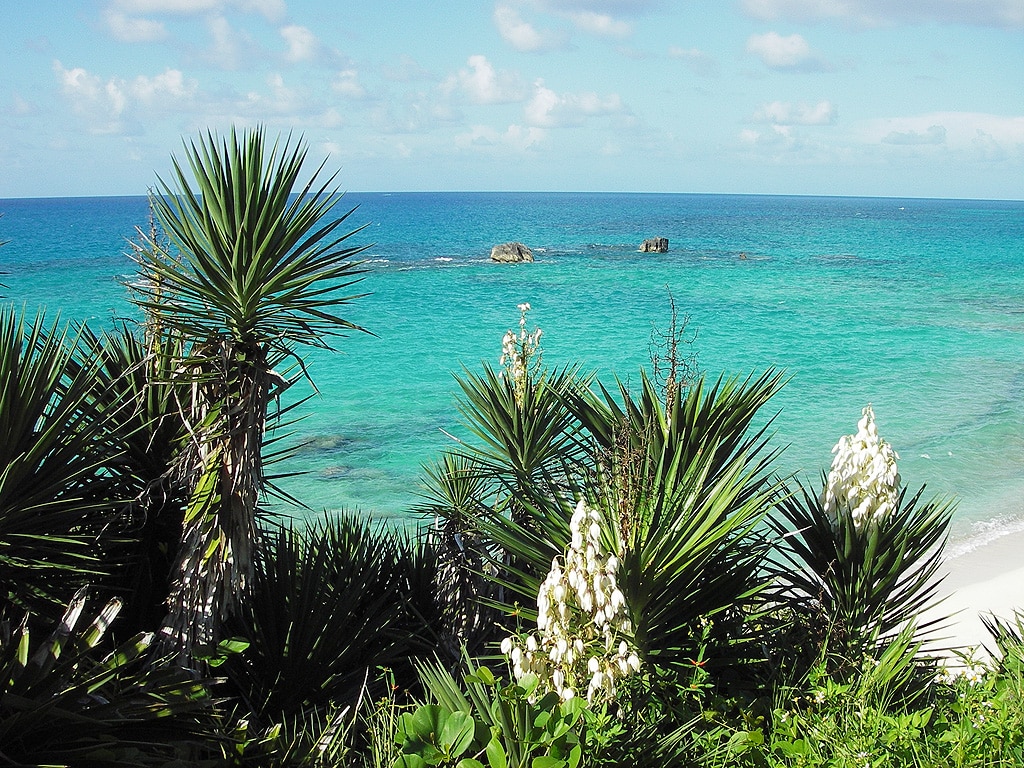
(836,97)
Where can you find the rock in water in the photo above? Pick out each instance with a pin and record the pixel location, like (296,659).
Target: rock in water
(654,245)
(511,253)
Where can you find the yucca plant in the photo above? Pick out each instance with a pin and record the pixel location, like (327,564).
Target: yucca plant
(864,580)
(151,433)
(527,435)
(529,454)
(314,739)
(455,494)
(863,554)
(1008,638)
(331,602)
(58,498)
(253,268)
(681,491)
(66,702)
(686,483)
(527,440)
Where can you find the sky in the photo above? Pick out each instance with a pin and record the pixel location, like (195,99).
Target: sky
(903,98)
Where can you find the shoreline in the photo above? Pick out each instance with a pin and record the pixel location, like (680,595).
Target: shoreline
(986,579)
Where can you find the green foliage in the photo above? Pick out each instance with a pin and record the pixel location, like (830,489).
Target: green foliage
(316,739)
(434,736)
(63,701)
(330,602)
(527,435)
(152,433)
(260,262)
(1007,636)
(253,266)
(456,488)
(861,583)
(981,722)
(57,446)
(483,722)
(974,719)
(681,490)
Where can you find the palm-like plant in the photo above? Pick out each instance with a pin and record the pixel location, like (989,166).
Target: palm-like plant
(681,486)
(254,268)
(57,496)
(865,582)
(151,433)
(456,492)
(527,435)
(332,601)
(64,701)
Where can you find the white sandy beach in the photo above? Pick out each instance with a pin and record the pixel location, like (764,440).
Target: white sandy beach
(985,580)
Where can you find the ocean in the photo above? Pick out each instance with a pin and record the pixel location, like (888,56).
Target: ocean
(915,306)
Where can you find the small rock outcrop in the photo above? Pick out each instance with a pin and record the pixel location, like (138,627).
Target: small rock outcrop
(511,253)
(654,245)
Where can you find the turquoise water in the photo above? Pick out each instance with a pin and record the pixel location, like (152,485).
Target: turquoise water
(916,306)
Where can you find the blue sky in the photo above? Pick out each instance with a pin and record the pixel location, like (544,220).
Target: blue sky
(835,97)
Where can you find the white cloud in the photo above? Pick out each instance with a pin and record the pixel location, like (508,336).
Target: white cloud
(413,112)
(634,7)
(167,6)
(132,29)
(225,46)
(100,103)
(548,109)
(302,43)
(1002,13)
(405,69)
(698,61)
(600,24)
(271,9)
(977,134)
(778,52)
(935,134)
(779,138)
(171,83)
(984,147)
(106,105)
(128,20)
(279,100)
(604,18)
(21,106)
(482,84)
(516,137)
(786,113)
(522,35)
(347,84)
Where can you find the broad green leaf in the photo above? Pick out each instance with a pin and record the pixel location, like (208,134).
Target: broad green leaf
(428,721)
(495,753)
(409,761)
(457,733)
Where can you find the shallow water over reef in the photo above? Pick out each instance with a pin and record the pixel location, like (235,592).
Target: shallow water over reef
(912,305)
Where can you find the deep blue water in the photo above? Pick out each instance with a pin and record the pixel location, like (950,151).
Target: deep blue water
(916,306)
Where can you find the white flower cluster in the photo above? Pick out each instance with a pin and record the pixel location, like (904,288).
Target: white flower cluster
(581,618)
(517,352)
(971,670)
(863,481)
